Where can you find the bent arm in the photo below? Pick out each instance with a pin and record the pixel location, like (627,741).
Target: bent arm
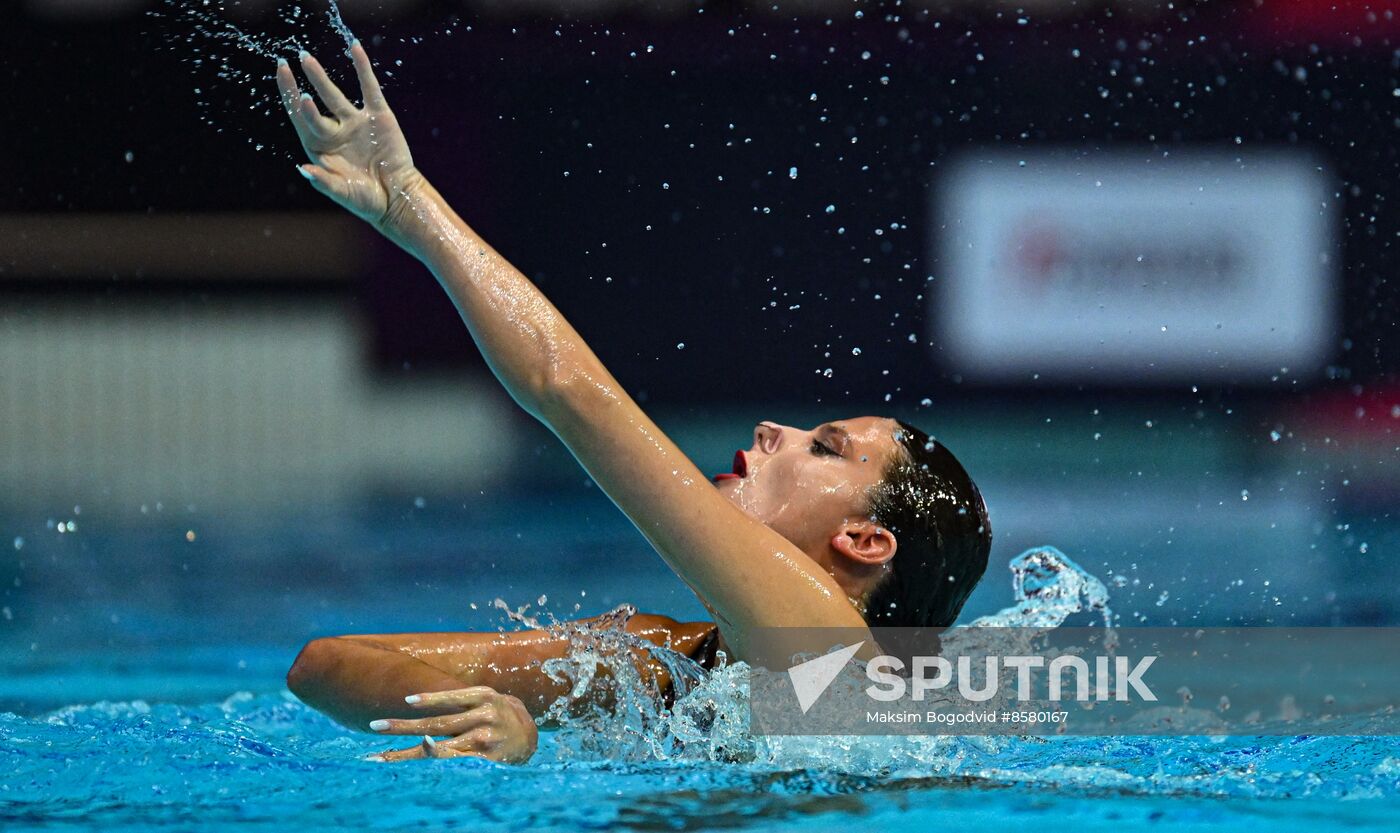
(356,679)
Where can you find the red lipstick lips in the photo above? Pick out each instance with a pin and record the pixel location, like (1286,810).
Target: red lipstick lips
(741,468)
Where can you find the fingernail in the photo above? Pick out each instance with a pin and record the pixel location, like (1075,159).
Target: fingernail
(281,62)
(354,43)
(303,55)
(429,741)
(378,725)
(306,96)
(304,172)
(413,698)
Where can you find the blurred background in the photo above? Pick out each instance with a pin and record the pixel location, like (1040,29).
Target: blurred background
(1130,260)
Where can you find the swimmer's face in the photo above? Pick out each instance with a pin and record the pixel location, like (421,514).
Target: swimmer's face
(806,484)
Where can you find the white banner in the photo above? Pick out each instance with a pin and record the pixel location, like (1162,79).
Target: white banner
(1135,266)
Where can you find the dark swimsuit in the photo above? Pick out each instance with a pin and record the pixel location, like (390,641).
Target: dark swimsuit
(705,653)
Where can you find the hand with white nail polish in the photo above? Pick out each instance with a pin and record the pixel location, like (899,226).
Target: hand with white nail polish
(480,722)
(360,158)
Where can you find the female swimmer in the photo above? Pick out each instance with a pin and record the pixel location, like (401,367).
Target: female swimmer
(854,523)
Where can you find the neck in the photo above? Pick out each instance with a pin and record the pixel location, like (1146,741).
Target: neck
(856,580)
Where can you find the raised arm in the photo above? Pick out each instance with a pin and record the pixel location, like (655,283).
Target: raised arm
(747,574)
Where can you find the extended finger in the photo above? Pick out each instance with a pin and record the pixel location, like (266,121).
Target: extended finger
(448,724)
(287,85)
(462,698)
(412,753)
(369,85)
(291,101)
(334,99)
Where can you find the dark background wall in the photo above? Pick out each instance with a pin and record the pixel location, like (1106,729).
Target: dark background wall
(636,164)
(648,191)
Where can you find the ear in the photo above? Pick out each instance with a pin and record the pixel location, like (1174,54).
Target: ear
(865,542)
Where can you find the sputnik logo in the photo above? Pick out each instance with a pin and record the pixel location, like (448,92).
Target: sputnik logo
(813,677)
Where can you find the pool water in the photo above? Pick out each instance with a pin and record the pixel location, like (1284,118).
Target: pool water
(141,685)
(267,759)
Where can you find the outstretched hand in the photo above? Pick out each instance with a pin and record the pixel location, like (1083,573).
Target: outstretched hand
(489,725)
(359,157)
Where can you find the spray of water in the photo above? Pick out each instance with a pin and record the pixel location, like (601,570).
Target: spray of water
(707,718)
(1048,588)
(231,65)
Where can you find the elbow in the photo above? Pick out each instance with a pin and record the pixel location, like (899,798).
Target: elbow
(568,392)
(312,667)
(540,395)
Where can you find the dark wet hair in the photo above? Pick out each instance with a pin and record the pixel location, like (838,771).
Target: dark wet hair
(943,532)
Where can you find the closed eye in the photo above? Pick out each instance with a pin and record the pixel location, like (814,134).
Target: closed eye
(821,450)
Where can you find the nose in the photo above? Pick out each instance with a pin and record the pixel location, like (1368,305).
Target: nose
(768,437)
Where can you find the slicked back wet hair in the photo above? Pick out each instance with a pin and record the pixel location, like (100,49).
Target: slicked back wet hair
(943,532)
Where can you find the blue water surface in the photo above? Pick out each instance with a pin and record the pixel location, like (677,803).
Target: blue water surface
(268,760)
(141,687)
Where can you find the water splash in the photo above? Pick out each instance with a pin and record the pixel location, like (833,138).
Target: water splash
(1048,588)
(709,719)
(338,23)
(707,724)
(611,711)
(232,63)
